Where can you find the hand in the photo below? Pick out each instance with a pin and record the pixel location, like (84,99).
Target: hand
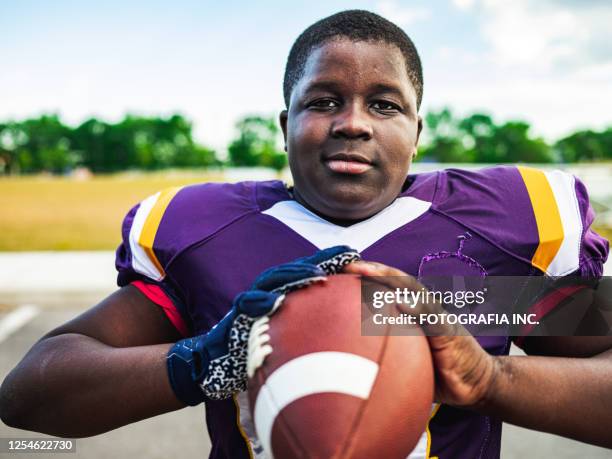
(464,371)
(215,365)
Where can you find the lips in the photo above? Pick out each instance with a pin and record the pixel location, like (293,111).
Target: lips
(348,163)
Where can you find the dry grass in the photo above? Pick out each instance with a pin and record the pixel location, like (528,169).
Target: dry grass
(50,213)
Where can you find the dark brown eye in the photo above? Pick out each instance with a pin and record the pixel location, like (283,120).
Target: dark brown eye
(324,104)
(384,106)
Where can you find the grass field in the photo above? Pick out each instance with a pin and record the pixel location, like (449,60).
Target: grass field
(51,213)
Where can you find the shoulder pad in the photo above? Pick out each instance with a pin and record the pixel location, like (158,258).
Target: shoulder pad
(173,219)
(532,214)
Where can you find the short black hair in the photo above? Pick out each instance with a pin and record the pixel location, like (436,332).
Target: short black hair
(356,25)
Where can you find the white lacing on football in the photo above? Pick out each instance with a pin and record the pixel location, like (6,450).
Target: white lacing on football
(291,286)
(259,348)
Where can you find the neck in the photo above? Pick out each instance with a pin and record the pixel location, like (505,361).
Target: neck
(336,221)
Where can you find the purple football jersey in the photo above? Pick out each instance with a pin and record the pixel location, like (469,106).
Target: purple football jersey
(203,244)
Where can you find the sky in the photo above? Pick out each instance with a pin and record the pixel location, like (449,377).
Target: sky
(548,62)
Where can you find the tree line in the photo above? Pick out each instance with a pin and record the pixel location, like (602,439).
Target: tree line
(154,143)
(477,138)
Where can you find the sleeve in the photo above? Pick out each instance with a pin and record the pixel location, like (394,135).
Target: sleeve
(594,248)
(137,262)
(569,251)
(563,215)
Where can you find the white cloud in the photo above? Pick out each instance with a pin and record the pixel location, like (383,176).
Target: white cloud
(457,56)
(545,61)
(547,35)
(554,107)
(464,4)
(402,16)
(520,33)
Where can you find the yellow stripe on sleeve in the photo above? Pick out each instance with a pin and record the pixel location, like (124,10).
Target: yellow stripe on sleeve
(548,219)
(149,230)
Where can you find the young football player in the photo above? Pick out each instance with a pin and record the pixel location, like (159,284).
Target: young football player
(353,86)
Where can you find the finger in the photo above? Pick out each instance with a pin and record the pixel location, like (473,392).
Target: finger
(372,268)
(386,276)
(256,303)
(383,277)
(363,268)
(290,274)
(433,318)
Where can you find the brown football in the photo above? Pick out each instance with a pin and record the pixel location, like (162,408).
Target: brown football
(326,391)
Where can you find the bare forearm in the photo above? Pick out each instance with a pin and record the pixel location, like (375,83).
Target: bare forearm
(571,397)
(72,385)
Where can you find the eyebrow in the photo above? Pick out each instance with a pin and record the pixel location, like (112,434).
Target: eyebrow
(322,86)
(377,88)
(381,87)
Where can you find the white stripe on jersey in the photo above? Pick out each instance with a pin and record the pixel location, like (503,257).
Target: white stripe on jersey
(420,450)
(140,260)
(248,427)
(563,186)
(359,236)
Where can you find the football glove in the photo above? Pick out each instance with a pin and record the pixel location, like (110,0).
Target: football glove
(214,365)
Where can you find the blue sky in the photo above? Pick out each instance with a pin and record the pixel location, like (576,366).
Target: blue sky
(545,61)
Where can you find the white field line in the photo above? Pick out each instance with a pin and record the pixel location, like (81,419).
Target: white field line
(17,319)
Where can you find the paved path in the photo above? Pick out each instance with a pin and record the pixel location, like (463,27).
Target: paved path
(178,434)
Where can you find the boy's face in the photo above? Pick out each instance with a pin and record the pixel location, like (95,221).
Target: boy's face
(352,129)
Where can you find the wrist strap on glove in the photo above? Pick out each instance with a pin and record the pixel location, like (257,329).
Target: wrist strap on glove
(186,366)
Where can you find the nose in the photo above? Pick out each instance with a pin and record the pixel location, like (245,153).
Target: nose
(352,123)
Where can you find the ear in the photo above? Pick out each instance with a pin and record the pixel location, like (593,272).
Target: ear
(418,136)
(282,118)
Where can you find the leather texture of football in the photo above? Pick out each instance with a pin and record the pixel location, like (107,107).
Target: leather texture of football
(326,391)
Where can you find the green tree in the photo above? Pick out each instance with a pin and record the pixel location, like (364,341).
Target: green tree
(88,139)
(586,145)
(6,150)
(512,143)
(445,144)
(477,138)
(140,143)
(41,144)
(256,144)
(479,130)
